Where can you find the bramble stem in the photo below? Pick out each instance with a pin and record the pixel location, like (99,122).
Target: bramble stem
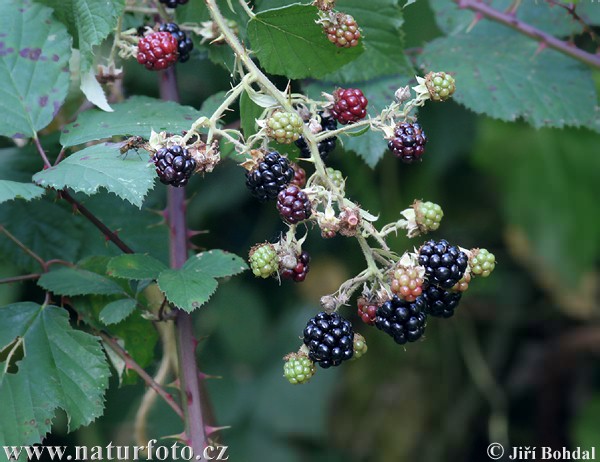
(186,343)
(24,248)
(40,149)
(131,364)
(530,31)
(26,277)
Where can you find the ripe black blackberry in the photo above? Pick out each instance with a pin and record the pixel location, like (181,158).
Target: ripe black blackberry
(329,338)
(293,205)
(403,321)
(444,264)
(297,273)
(184,43)
(440,302)
(174,165)
(408,143)
(270,175)
(173,3)
(325,146)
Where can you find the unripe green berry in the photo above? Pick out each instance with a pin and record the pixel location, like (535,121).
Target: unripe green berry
(263,260)
(336,177)
(298,368)
(428,216)
(482,262)
(285,127)
(360,346)
(440,85)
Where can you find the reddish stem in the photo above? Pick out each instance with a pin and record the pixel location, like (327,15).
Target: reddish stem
(509,20)
(25,277)
(186,342)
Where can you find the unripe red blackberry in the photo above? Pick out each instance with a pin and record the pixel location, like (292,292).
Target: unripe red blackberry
(299,271)
(349,105)
(174,165)
(157,51)
(299,176)
(184,43)
(367,311)
(407,282)
(408,142)
(341,29)
(293,205)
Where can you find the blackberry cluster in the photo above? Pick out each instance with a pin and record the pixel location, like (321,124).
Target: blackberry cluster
(444,264)
(173,3)
(297,273)
(342,31)
(349,105)
(325,146)
(407,282)
(157,51)
(441,303)
(184,43)
(293,205)
(403,321)
(408,143)
(440,85)
(271,175)
(367,311)
(428,216)
(329,338)
(482,262)
(263,260)
(174,165)
(284,127)
(298,369)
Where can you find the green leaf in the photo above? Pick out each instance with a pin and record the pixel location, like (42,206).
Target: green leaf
(507,79)
(117,311)
(102,166)
(10,190)
(74,281)
(137,116)
(192,286)
(584,429)
(88,21)
(287,41)
(249,112)
(135,266)
(62,369)
(216,263)
(34,67)
(186,288)
(380,22)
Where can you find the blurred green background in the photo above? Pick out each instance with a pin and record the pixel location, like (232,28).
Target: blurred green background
(519,361)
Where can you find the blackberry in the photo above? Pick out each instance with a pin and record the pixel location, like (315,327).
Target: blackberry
(173,3)
(293,205)
(299,176)
(408,143)
(441,303)
(325,146)
(440,85)
(349,105)
(298,368)
(284,127)
(482,262)
(341,29)
(428,216)
(174,165)
(329,338)
(184,43)
(270,175)
(367,311)
(407,282)
(263,260)
(297,273)
(157,51)
(403,321)
(444,264)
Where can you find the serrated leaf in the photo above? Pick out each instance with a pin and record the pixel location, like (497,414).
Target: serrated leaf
(10,190)
(186,288)
(192,285)
(507,79)
(216,263)
(117,311)
(34,67)
(62,369)
(89,21)
(75,281)
(135,266)
(381,22)
(93,91)
(102,166)
(138,116)
(287,41)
